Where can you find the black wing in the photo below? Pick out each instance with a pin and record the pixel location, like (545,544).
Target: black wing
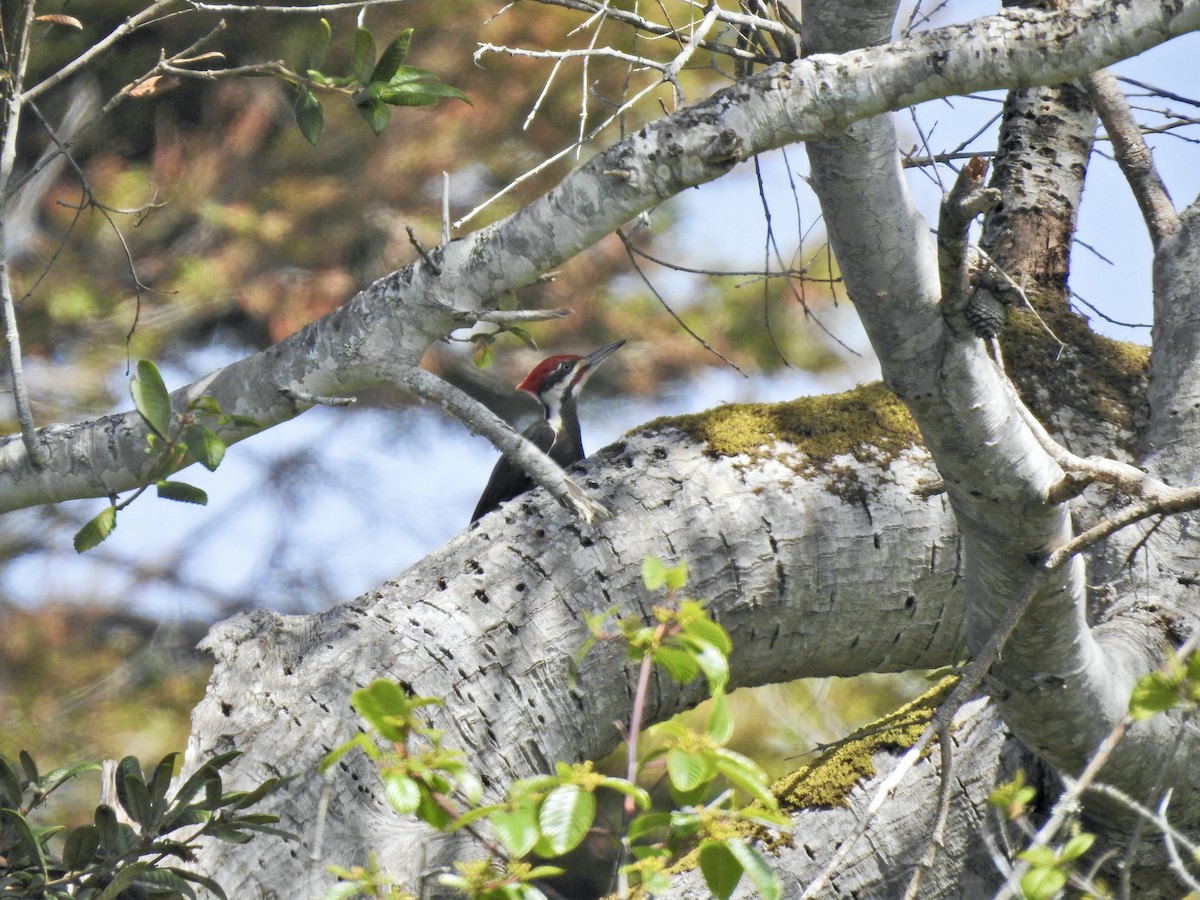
(509,479)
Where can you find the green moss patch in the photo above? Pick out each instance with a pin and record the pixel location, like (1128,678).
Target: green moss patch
(827,782)
(866,422)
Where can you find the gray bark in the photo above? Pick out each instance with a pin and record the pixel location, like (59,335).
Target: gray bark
(808,577)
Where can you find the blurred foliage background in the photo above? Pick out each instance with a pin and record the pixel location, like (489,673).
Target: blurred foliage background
(201,226)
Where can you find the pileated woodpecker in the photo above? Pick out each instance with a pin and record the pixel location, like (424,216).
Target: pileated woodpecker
(557,383)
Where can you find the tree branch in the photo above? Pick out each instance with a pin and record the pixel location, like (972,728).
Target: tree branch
(1132,154)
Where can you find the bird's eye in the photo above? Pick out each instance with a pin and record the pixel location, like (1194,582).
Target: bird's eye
(564,365)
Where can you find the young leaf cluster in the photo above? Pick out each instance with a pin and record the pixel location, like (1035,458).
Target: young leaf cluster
(374,83)
(547,816)
(175,440)
(109,859)
(1177,684)
(1050,868)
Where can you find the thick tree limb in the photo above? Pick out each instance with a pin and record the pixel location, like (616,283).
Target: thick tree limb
(392,321)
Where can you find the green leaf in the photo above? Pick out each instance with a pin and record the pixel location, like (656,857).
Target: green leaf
(376,114)
(517,830)
(713,663)
(80,847)
(310,117)
(402,793)
(720,722)
(648,823)
(28,766)
(362,59)
(654,573)
(203,880)
(678,663)
(565,817)
(689,770)
(721,869)
(705,629)
(1039,857)
(318,44)
(483,355)
(95,531)
(385,707)
(150,397)
(125,876)
(183,492)
(677,576)
(745,774)
(524,336)
(765,880)
(1042,883)
(204,446)
(1077,846)
(10,785)
(23,845)
(423,93)
(392,56)
(1154,693)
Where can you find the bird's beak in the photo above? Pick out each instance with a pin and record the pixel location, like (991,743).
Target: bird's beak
(592,360)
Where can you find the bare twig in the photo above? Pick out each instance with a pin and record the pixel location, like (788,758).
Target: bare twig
(482,420)
(937,837)
(1133,156)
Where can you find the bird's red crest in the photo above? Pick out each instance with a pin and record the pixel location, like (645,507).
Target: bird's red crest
(533,381)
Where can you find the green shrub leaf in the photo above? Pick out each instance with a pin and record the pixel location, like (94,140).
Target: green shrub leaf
(95,531)
(150,397)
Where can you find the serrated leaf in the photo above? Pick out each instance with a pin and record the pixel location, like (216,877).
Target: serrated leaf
(1153,693)
(517,830)
(720,722)
(392,56)
(688,771)
(402,793)
(204,446)
(1039,857)
(376,114)
(362,58)
(1042,883)
(765,880)
(310,117)
(80,847)
(381,704)
(680,664)
(654,573)
(705,629)
(182,492)
(720,868)
(1077,846)
(150,397)
(742,772)
(565,817)
(677,576)
(647,823)
(713,663)
(95,531)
